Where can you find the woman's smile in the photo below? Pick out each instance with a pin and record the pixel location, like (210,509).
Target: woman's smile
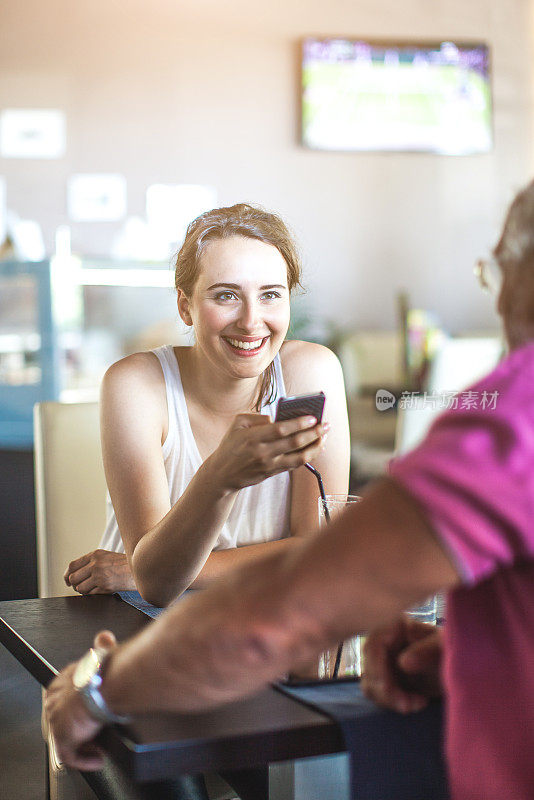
(246,347)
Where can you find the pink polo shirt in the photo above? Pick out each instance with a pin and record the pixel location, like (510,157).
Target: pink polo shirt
(474,478)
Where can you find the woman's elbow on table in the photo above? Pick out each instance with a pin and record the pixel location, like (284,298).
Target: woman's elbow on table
(152,586)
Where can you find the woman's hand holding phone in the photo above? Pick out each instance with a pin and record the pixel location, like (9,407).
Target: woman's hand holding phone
(255,448)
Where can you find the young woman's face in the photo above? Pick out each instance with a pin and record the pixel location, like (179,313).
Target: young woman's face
(240,305)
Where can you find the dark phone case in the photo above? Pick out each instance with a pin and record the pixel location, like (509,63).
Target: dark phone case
(291,407)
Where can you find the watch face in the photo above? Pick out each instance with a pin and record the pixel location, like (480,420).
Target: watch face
(86,669)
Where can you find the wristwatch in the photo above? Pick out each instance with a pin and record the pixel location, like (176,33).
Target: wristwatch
(87,680)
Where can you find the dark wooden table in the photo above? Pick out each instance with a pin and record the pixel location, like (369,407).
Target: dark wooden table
(46,634)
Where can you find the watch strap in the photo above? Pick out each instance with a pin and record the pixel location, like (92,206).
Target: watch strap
(89,688)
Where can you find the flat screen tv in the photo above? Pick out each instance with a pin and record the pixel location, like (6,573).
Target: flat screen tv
(360,95)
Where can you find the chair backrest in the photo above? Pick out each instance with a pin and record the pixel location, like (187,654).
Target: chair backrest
(463,361)
(457,364)
(70,489)
(413,422)
(371,359)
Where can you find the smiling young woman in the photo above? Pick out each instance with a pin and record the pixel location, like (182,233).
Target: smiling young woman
(200,479)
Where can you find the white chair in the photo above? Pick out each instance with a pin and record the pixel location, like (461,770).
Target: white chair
(70,489)
(70,503)
(413,423)
(457,364)
(370,360)
(462,361)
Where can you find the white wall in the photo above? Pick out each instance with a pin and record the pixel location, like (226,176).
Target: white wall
(205,91)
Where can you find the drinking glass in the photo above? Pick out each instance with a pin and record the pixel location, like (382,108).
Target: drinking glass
(350,664)
(426,612)
(333,504)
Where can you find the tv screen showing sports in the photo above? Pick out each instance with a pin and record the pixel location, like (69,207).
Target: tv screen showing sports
(360,95)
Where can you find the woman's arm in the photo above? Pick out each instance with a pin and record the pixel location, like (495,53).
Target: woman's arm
(219,562)
(310,368)
(167,547)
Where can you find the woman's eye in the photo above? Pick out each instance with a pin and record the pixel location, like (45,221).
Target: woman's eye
(271,295)
(225,296)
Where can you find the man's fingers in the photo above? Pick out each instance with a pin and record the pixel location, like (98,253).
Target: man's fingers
(416,630)
(87,757)
(379,680)
(381,686)
(421,656)
(105,639)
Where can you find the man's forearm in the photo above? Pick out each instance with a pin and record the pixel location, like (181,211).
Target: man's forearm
(213,646)
(255,624)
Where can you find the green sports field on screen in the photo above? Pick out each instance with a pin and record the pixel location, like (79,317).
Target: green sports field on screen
(356,96)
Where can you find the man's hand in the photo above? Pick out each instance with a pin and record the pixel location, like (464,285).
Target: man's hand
(402,665)
(99,572)
(71,725)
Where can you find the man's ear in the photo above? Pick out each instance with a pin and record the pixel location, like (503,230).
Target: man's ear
(184,308)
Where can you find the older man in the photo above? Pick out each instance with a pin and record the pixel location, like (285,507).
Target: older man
(455,515)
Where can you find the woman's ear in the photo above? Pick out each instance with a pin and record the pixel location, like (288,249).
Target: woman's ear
(184,308)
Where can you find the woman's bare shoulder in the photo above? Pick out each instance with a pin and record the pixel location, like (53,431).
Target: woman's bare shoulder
(308,366)
(138,372)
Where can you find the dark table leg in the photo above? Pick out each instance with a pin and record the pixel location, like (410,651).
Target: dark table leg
(250,784)
(112,784)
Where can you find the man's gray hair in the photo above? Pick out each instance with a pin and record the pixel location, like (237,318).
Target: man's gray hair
(517,241)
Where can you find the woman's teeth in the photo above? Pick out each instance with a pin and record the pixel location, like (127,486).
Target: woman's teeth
(245,345)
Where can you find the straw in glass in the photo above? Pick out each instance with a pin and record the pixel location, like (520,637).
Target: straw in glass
(317,474)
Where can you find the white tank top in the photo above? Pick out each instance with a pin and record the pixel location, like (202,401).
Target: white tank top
(260,513)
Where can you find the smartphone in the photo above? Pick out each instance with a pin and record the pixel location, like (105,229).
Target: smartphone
(301,406)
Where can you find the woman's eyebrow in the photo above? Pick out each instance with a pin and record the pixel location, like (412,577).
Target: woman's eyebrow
(237,286)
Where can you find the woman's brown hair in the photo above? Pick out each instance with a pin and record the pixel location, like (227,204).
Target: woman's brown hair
(252,222)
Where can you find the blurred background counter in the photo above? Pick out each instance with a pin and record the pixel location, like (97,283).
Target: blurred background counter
(62,323)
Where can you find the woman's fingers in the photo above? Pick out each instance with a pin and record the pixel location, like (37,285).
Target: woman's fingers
(291,427)
(85,586)
(256,448)
(104,572)
(290,436)
(75,565)
(80,575)
(292,453)
(251,420)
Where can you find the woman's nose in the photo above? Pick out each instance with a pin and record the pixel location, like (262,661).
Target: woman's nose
(249,316)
